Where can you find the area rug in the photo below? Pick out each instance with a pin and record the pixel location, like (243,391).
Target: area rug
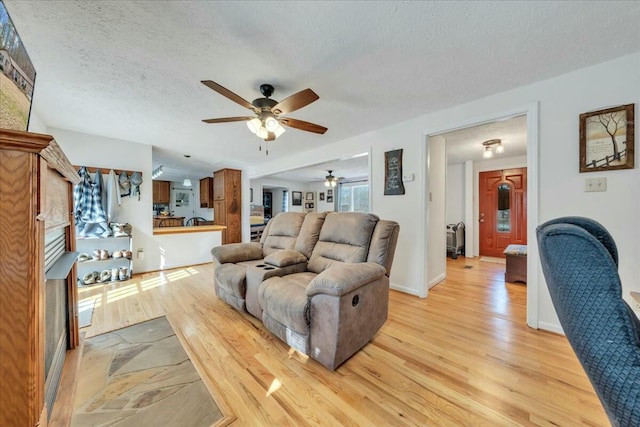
(85,312)
(493,259)
(140,376)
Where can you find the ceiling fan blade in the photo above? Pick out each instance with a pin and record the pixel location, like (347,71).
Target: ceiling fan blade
(295,102)
(302,125)
(227,93)
(228,119)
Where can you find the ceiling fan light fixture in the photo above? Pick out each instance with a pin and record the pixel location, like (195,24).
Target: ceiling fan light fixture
(254,124)
(262,132)
(279,130)
(330,180)
(271,124)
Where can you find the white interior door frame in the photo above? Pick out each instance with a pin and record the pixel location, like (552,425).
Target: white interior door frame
(532,113)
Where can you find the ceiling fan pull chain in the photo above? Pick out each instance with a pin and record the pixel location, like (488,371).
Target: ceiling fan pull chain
(266,144)
(260,146)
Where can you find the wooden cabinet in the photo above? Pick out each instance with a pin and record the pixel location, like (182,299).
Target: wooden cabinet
(37,271)
(206,192)
(162,192)
(227,208)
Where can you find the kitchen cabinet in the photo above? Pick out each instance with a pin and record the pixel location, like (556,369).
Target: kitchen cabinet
(161,192)
(206,192)
(38,308)
(227,195)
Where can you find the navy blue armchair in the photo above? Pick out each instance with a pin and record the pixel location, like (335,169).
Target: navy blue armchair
(580,264)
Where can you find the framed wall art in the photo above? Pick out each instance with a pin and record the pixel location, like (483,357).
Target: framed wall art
(393,173)
(607,139)
(296,198)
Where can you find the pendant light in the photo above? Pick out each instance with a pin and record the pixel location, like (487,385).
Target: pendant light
(187,181)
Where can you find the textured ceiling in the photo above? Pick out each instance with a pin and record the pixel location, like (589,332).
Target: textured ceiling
(132,70)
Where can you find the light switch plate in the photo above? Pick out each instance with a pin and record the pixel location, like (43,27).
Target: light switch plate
(595,184)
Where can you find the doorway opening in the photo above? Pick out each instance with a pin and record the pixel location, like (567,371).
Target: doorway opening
(471,153)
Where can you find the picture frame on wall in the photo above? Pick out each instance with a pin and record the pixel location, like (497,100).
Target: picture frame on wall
(321,197)
(607,139)
(296,198)
(329,199)
(308,196)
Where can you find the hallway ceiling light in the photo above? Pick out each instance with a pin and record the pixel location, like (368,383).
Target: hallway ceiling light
(330,180)
(187,181)
(157,172)
(492,146)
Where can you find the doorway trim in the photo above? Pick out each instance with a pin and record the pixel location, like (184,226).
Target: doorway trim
(532,112)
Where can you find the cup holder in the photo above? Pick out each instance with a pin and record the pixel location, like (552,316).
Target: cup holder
(261,265)
(269,268)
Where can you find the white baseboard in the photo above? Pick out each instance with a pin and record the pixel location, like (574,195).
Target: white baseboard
(551,327)
(406,290)
(437,280)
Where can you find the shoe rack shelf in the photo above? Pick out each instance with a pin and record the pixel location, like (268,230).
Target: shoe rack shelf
(111,245)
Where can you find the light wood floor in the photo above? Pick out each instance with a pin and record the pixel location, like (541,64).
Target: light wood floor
(463,356)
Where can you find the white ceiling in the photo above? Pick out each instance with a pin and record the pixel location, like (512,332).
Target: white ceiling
(132,70)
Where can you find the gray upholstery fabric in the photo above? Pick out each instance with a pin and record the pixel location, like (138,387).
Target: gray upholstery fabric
(383,244)
(231,278)
(341,279)
(344,237)
(285,300)
(236,252)
(259,272)
(284,258)
(340,326)
(283,232)
(310,232)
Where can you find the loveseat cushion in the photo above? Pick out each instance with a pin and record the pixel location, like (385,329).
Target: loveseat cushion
(345,237)
(283,230)
(285,258)
(310,232)
(236,252)
(284,299)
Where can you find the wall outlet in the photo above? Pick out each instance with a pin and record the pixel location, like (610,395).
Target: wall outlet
(595,184)
(140,253)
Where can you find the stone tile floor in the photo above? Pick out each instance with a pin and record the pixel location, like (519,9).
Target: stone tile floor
(140,376)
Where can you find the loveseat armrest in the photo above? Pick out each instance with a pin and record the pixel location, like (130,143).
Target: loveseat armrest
(237,252)
(340,279)
(285,258)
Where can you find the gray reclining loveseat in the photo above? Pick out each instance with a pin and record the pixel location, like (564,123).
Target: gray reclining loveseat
(318,281)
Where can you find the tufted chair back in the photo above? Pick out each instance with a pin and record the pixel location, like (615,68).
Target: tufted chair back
(579,260)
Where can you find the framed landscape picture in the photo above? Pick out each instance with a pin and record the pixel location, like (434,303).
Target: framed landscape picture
(607,139)
(296,198)
(17,76)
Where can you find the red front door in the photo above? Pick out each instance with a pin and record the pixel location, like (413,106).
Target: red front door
(503,210)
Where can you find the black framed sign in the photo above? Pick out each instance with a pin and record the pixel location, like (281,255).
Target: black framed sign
(393,173)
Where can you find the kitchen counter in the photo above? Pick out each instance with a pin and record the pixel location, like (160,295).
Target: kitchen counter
(181,230)
(170,221)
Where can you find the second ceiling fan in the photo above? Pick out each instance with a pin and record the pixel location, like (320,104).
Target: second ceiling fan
(268,121)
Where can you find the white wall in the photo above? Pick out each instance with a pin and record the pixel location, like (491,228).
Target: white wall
(91,150)
(455,193)
(36,124)
(436,199)
(560,101)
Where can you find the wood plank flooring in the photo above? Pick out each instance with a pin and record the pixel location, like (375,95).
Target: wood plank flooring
(464,356)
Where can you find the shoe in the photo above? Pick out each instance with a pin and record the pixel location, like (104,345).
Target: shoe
(83,257)
(104,254)
(90,278)
(117,254)
(114,274)
(123,273)
(126,254)
(96,254)
(105,276)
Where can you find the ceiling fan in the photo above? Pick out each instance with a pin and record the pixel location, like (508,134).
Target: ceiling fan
(267,124)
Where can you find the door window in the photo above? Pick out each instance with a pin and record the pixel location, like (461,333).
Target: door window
(503,217)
